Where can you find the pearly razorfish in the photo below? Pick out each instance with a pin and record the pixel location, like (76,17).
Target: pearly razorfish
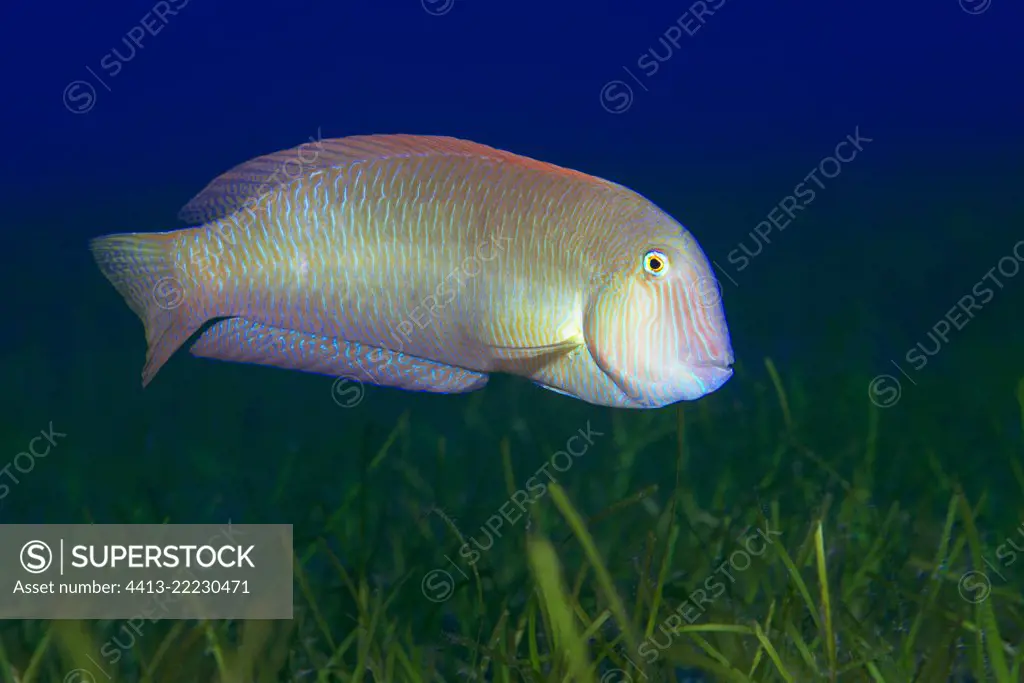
(426,264)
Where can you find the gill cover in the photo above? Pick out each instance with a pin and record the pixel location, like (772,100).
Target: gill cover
(619,327)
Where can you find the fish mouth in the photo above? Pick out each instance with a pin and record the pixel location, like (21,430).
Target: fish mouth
(720,364)
(711,375)
(697,379)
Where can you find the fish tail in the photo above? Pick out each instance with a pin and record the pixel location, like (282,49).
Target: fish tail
(142,268)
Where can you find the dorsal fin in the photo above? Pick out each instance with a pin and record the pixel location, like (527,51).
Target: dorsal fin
(247,182)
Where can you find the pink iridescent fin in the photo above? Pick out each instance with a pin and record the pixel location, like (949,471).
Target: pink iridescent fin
(244,184)
(141,267)
(244,341)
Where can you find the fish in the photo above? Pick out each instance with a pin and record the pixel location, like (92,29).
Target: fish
(429,263)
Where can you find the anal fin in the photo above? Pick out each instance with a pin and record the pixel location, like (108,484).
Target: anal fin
(240,340)
(561,392)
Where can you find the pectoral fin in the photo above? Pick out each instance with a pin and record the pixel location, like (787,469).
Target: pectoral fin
(240,340)
(528,352)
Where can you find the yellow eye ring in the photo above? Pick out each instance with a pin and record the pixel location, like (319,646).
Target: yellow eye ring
(655,262)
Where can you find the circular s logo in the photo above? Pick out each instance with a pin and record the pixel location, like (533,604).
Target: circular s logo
(437,8)
(79,97)
(975,586)
(975,6)
(437,585)
(347,392)
(616,97)
(36,557)
(79,676)
(885,391)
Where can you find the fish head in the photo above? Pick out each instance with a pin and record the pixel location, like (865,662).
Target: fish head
(655,323)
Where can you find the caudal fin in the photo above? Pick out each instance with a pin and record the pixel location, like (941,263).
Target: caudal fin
(142,269)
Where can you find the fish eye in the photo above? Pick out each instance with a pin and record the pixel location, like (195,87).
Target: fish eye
(655,262)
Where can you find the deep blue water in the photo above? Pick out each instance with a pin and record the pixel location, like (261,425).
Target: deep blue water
(718,111)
